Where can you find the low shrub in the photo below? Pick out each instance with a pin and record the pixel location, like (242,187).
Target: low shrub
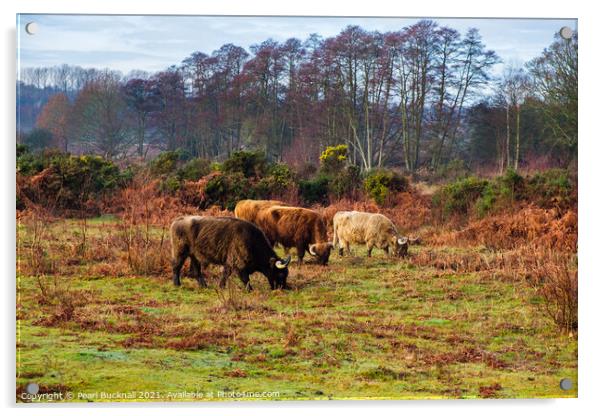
(225,190)
(170,185)
(314,190)
(194,169)
(456,198)
(381,183)
(277,182)
(71,182)
(165,163)
(549,189)
(503,231)
(552,188)
(346,183)
(30,163)
(249,164)
(556,282)
(501,193)
(21,150)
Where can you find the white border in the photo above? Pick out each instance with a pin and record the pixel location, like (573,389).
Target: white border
(589,192)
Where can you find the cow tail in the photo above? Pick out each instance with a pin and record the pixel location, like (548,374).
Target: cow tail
(335,237)
(174,241)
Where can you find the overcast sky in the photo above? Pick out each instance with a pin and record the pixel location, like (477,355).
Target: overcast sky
(154,43)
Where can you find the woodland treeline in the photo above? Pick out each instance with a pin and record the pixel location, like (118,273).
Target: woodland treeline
(417,98)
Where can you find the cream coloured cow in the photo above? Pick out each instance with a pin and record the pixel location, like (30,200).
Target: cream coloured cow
(373,230)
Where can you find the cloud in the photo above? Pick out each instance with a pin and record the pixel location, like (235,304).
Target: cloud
(155,42)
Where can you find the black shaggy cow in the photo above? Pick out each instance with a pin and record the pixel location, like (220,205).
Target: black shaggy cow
(236,244)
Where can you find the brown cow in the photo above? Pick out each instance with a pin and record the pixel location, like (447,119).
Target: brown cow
(301,228)
(247,209)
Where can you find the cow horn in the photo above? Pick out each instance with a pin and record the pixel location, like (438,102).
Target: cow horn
(281,264)
(402,240)
(311,250)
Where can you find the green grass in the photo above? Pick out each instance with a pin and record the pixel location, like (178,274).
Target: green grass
(358,329)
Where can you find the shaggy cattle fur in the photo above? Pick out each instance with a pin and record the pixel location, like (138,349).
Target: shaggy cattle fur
(247,209)
(236,244)
(374,230)
(301,228)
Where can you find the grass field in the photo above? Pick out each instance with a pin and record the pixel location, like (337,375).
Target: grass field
(361,328)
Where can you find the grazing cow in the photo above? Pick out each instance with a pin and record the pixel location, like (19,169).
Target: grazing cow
(296,227)
(374,230)
(247,209)
(237,245)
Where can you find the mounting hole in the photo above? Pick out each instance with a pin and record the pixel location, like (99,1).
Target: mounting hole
(32,388)
(31,28)
(566,384)
(566,32)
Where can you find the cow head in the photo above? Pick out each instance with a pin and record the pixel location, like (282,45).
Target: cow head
(400,246)
(279,271)
(321,251)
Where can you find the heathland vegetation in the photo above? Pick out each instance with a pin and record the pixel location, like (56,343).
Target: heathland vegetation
(497,257)
(484,305)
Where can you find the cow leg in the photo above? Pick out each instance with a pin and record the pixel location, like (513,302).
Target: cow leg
(300,254)
(197,272)
(272,283)
(386,250)
(225,274)
(370,247)
(177,264)
(244,276)
(341,245)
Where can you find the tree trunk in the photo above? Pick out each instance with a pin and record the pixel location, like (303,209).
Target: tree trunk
(516,153)
(507,136)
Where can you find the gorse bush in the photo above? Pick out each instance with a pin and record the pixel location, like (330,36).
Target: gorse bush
(501,193)
(458,197)
(551,188)
(250,164)
(165,163)
(194,169)
(65,181)
(333,159)
(314,190)
(225,190)
(170,185)
(21,150)
(30,163)
(61,180)
(346,183)
(381,183)
(279,179)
